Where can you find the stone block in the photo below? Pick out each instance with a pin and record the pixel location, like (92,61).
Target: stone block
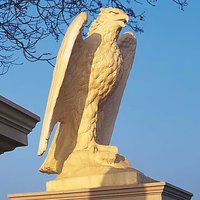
(147,191)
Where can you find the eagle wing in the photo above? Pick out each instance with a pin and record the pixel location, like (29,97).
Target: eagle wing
(72,39)
(108,110)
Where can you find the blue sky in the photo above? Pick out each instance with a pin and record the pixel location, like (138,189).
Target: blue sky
(158,126)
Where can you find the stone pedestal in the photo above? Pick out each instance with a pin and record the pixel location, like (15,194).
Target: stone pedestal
(148,191)
(113,177)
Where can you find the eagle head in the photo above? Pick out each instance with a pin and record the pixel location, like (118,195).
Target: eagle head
(109,20)
(114,16)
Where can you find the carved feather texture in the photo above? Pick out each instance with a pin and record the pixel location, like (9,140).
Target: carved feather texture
(73,34)
(87,87)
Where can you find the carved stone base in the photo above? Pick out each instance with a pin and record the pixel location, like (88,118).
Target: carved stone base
(113,177)
(148,191)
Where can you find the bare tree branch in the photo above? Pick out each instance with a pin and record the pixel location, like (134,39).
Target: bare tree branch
(24,23)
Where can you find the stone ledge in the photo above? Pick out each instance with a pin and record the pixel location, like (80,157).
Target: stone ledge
(147,191)
(15,124)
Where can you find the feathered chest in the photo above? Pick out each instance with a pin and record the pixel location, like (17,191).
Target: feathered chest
(105,68)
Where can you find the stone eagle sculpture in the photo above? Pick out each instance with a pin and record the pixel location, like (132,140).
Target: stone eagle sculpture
(85,94)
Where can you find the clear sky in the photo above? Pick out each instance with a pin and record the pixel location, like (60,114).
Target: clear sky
(158,126)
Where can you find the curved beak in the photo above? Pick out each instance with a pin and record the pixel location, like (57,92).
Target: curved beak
(123,19)
(126,18)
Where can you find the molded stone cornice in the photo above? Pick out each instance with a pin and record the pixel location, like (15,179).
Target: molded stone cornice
(15,124)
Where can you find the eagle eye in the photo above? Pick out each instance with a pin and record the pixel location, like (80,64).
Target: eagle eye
(113,12)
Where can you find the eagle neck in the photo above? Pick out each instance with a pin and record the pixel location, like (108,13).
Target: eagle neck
(107,36)
(107,33)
